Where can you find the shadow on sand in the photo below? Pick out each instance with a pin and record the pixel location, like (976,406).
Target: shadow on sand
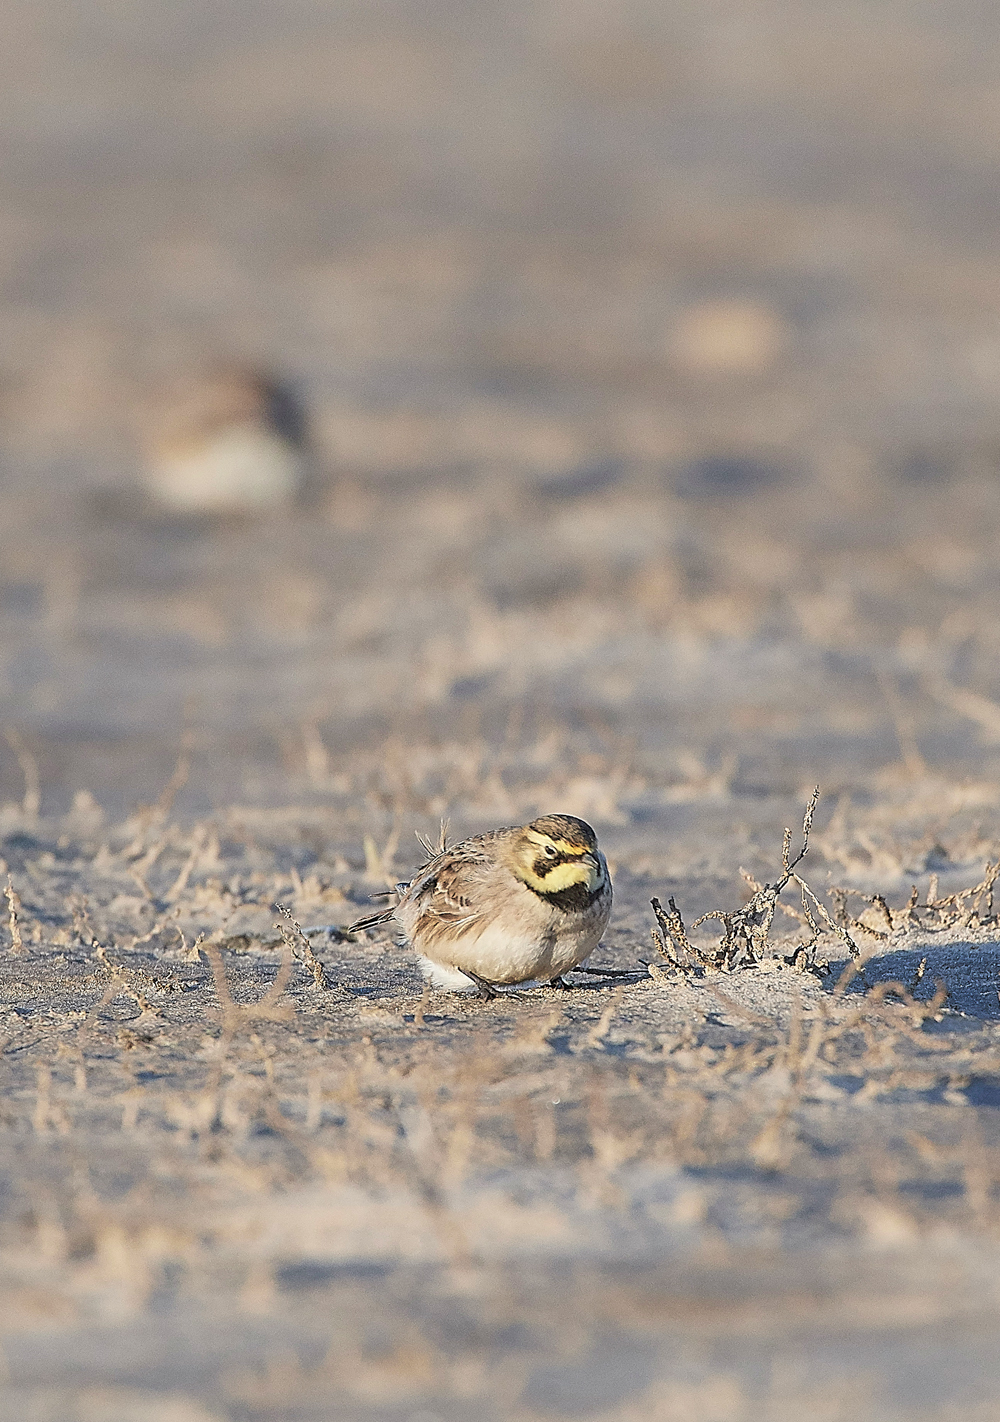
(970,972)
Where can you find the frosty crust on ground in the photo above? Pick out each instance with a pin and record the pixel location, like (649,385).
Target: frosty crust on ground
(285,1145)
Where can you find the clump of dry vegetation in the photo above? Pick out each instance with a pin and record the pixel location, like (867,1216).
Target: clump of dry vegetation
(744,942)
(204,1092)
(965,908)
(359,1076)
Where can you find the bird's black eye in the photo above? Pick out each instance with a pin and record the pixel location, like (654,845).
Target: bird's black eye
(550,851)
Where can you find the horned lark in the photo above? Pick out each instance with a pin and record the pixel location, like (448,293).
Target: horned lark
(506,907)
(232,441)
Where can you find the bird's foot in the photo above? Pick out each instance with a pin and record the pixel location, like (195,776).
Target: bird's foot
(560,982)
(486,990)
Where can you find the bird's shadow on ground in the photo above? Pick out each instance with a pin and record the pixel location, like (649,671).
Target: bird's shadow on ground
(408,985)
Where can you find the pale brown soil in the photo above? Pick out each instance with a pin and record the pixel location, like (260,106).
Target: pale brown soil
(651,366)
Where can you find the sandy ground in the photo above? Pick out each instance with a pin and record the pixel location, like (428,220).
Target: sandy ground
(651,365)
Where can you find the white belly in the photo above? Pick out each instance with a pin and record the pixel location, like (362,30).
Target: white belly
(501,956)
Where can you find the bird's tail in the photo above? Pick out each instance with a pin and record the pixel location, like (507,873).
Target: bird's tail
(373,920)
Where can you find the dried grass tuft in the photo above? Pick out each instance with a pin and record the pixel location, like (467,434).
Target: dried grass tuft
(745,937)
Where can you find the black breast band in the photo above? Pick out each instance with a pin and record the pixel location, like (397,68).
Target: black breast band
(572,900)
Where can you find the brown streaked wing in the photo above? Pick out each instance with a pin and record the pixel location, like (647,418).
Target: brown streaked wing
(444,903)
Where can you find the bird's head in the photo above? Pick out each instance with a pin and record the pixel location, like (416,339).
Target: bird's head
(556,853)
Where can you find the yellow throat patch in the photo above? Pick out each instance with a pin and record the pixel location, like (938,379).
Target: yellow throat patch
(551,865)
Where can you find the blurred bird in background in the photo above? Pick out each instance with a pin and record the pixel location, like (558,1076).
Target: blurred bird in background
(229,442)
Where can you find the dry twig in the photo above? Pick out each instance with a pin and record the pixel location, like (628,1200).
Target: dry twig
(744,941)
(13,905)
(300,947)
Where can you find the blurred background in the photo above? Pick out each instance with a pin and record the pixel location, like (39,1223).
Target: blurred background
(452,373)
(437,408)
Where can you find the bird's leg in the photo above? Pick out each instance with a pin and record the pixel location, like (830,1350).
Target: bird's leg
(486,990)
